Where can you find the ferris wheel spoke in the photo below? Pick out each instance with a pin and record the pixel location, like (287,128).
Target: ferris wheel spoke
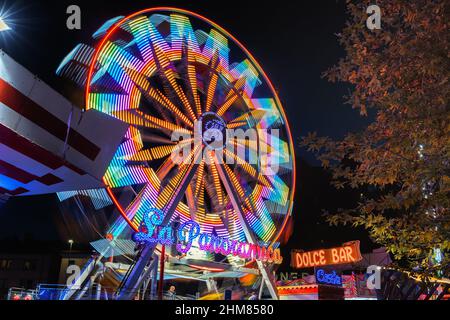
(200,198)
(189,60)
(174,191)
(216,191)
(199,190)
(151,154)
(249,119)
(248,168)
(156,139)
(139,119)
(159,97)
(180,94)
(199,180)
(190,199)
(159,152)
(212,84)
(153,94)
(168,165)
(177,194)
(235,193)
(216,207)
(164,66)
(156,123)
(216,179)
(140,204)
(234,93)
(236,125)
(243,143)
(165,168)
(259,221)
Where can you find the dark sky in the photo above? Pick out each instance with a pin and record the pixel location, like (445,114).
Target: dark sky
(294,41)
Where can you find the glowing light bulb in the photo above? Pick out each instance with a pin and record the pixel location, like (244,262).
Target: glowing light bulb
(3,25)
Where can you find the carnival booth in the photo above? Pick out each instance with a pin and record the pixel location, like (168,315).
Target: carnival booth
(328,282)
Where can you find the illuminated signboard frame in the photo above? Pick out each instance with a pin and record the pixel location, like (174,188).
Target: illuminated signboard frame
(348,253)
(189,232)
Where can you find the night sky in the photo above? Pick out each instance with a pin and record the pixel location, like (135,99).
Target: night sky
(294,41)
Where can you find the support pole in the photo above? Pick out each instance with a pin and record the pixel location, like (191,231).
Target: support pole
(161,272)
(261,289)
(154,280)
(98,292)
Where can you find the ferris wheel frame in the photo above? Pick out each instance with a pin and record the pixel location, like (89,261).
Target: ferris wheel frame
(111,32)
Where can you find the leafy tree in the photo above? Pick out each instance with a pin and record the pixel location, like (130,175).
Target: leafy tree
(399,79)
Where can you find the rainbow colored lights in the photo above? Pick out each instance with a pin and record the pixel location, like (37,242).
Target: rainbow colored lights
(160,70)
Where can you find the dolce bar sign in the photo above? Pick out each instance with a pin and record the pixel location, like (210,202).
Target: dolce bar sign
(348,253)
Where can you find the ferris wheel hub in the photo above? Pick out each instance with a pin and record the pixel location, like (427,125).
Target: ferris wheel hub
(213,130)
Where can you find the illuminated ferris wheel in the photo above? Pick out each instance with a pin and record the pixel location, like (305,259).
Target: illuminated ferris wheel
(208,139)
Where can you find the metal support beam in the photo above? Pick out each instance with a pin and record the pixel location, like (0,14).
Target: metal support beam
(130,284)
(98,292)
(80,282)
(128,289)
(151,280)
(162,263)
(265,272)
(211,284)
(154,278)
(98,266)
(261,290)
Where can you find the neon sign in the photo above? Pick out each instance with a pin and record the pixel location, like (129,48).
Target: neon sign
(322,277)
(153,233)
(348,253)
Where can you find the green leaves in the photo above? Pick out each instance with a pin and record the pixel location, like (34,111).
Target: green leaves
(403,155)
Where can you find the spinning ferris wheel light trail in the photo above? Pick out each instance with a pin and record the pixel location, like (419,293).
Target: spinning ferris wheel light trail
(166,71)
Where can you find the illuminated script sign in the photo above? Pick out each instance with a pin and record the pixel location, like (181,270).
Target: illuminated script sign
(328,277)
(189,232)
(348,253)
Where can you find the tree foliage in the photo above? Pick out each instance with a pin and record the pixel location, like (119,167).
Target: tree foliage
(399,77)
